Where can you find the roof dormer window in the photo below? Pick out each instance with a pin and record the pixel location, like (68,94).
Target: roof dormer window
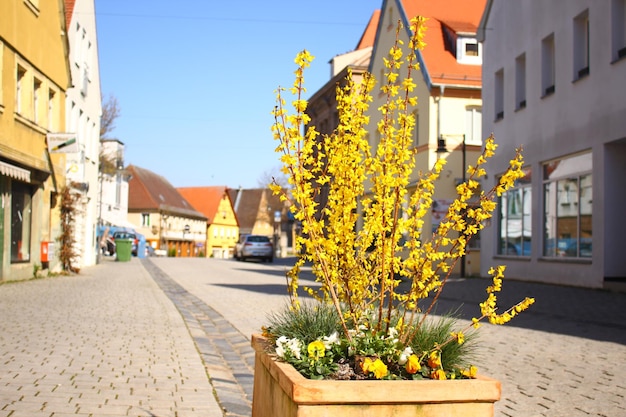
(469,51)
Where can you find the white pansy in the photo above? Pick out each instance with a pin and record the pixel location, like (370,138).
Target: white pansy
(331,340)
(295,346)
(280,351)
(404,356)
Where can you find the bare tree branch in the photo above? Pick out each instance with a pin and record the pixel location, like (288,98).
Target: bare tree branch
(110,113)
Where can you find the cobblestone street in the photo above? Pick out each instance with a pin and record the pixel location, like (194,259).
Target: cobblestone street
(170,337)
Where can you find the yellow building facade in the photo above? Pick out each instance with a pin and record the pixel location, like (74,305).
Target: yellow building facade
(34,74)
(223,231)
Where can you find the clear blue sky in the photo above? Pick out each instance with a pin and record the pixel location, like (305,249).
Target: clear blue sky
(195,79)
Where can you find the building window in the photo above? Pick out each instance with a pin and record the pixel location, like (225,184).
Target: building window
(118,189)
(581,45)
(1,75)
(515,216)
(468,51)
(416,129)
(520,82)
(618,29)
(20,221)
(499,89)
(52,106)
(471,48)
(145,219)
(567,190)
(547,66)
(20,105)
(36,99)
(473,126)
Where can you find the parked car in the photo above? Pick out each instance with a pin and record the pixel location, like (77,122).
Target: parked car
(254,246)
(128,235)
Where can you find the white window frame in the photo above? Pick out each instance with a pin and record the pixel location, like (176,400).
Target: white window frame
(463,57)
(473,125)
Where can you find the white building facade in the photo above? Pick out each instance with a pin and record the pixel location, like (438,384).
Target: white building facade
(113,198)
(554,82)
(84,108)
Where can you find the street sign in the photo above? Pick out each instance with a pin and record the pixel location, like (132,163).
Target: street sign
(62,142)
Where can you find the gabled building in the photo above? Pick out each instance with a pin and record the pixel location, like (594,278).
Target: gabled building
(169,222)
(554,83)
(34,75)
(222,229)
(83,110)
(448,113)
(260,212)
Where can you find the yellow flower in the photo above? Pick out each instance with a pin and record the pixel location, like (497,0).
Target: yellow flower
(434,359)
(460,337)
(316,349)
(438,374)
(412,364)
(377,367)
(470,372)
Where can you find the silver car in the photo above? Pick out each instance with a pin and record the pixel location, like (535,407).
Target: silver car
(254,246)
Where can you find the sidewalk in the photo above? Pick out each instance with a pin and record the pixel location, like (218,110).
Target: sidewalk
(107,342)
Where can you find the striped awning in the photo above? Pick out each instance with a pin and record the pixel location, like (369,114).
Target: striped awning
(14,172)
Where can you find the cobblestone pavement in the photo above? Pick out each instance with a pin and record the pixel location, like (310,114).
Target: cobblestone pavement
(170,337)
(565,357)
(107,342)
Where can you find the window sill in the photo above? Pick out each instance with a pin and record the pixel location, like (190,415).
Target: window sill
(582,74)
(549,91)
(565,259)
(513,257)
(619,58)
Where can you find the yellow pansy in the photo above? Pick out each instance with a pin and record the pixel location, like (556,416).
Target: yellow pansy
(316,349)
(434,359)
(412,364)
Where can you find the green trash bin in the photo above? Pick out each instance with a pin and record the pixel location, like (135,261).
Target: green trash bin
(123,249)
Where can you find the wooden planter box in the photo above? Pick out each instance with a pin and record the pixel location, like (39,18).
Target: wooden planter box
(281,391)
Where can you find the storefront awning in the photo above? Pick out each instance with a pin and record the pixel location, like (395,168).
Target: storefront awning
(14,172)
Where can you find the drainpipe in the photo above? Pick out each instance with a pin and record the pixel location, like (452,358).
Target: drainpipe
(442,88)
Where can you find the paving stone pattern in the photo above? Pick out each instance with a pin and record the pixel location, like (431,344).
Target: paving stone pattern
(106,342)
(170,337)
(564,357)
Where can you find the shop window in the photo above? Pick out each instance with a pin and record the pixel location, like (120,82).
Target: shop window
(21,215)
(568,207)
(515,216)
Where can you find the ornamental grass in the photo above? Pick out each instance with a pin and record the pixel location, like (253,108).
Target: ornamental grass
(368,237)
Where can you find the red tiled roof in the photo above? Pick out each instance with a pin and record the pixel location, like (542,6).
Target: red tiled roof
(460,16)
(151,192)
(69,9)
(205,199)
(369,35)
